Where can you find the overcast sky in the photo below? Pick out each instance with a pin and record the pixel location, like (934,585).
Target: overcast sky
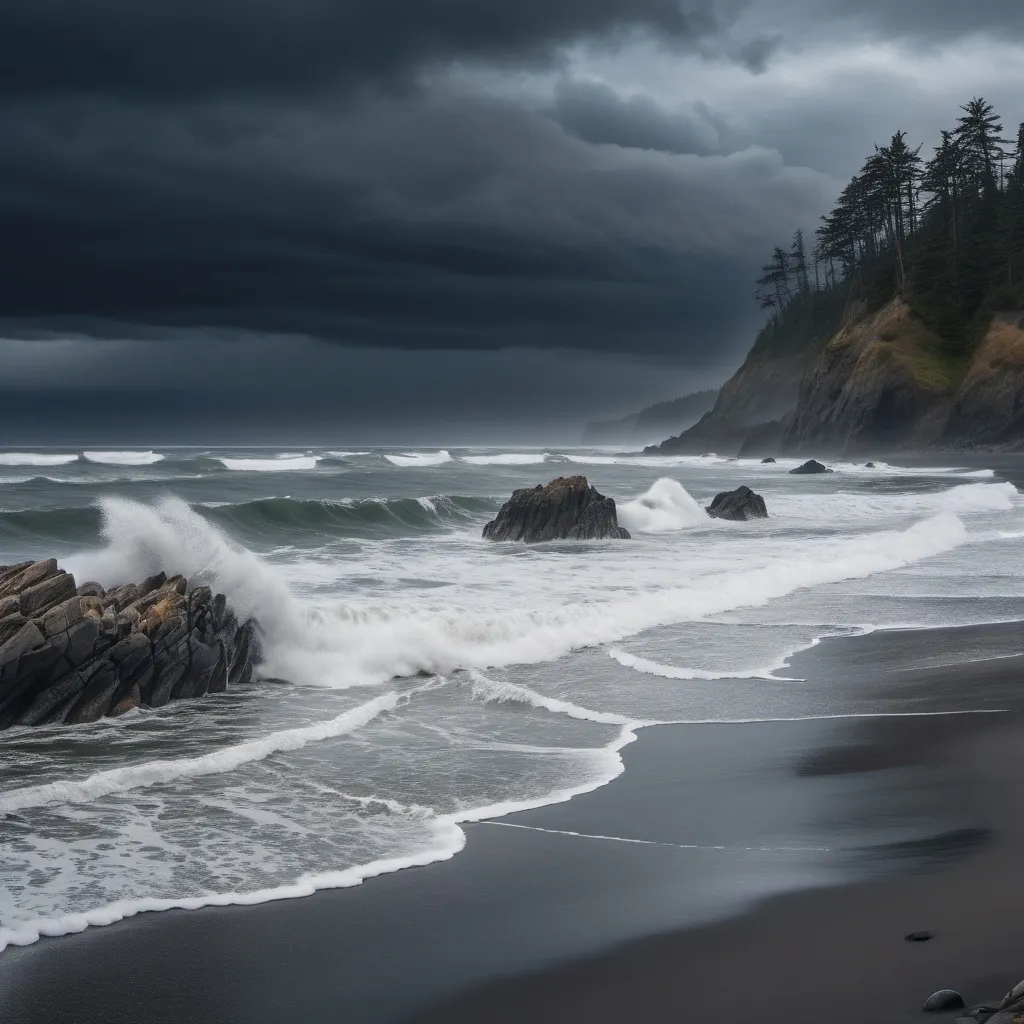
(417,217)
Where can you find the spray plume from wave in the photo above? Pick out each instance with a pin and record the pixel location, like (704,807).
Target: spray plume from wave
(338,645)
(666,506)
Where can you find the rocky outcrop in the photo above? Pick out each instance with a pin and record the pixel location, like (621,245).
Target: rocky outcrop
(761,391)
(566,509)
(739,505)
(880,383)
(810,468)
(988,406)
(79,653)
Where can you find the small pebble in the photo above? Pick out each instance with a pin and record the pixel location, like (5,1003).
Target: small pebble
(920,936)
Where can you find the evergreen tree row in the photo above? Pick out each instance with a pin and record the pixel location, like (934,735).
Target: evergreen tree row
(947,234)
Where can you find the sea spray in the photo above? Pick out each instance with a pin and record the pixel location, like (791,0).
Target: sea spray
(664,507)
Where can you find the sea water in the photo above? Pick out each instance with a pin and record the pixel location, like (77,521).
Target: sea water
(417,677)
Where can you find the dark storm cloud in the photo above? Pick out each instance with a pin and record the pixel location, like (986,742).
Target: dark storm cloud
(596,113)
(922,19)
(185,387)
(175,48)
(439,220)
(432,177)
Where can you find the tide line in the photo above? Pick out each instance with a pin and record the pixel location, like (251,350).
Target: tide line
(654,842)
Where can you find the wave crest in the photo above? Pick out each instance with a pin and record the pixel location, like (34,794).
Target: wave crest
(123,458)
(282,464)
(35,459)
(664,507)
(414,459)
(500,692)
(508,459)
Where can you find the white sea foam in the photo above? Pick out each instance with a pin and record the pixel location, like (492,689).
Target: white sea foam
(156,773)
(281,464)
(507,459)
(666,506)
(363,645)
(35,459)
(654,668)
(980,498)
(417,459)
(502,692)
(449,840)
(345,455)
(123,458)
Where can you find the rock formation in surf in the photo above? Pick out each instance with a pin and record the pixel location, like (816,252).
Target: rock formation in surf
(566,509)
(810,467)
(739,505)
(79,653)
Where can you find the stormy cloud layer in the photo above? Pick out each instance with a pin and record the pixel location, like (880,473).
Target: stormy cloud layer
(595,176)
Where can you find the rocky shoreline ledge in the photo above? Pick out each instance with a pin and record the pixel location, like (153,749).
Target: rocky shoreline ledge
(72,654)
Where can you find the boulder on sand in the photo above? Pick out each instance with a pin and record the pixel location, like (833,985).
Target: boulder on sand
(739,505)
(944,999)
(810,467)
(566,509)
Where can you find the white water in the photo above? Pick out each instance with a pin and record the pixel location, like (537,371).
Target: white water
(275,791)
(35,459)
(154,773)
(123,458)
(507,459)
(665,506)
(286,464)
(416,459)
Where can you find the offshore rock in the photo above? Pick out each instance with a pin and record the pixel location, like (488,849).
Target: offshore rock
(810,467)
(566,509)
(739,505)
(76,654)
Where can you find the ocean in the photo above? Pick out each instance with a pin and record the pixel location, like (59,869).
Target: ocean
(418,678)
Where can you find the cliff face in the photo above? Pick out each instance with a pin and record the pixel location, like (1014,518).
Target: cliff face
(882,382)
(988,407)
(764,388)
(879,384)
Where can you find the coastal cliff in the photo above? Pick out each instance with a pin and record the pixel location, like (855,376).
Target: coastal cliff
(904,318)
(884,381)
(752,403)
(880,383)
(988,407)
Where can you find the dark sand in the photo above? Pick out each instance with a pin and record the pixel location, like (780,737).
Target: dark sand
(839,837)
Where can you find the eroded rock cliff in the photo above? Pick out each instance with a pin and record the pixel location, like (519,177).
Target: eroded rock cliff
(988,406)
(880,383)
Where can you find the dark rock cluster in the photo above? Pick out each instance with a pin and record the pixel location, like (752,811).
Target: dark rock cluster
(566,509)
(739,505)
(78,653)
